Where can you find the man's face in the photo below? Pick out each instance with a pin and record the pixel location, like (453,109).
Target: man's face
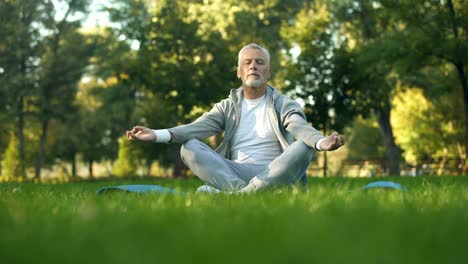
(254,69)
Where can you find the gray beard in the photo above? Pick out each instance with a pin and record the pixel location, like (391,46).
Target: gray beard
(255,83)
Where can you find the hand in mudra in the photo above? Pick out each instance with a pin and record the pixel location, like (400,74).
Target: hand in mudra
(332,142)
(141,133)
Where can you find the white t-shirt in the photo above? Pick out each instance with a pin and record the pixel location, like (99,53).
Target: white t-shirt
(255,141)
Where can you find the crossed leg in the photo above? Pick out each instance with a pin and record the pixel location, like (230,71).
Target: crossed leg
(288,168)
(227,175)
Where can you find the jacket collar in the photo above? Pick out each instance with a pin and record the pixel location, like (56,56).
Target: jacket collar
(236,94)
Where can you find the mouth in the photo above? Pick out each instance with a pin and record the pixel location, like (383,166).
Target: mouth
(253,74)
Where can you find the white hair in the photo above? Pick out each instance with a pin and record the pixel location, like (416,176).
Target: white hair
(253,46)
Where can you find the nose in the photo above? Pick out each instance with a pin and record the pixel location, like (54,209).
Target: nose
(253,65)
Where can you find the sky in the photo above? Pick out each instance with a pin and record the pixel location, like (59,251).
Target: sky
(96,17)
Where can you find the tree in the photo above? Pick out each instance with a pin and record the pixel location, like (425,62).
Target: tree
(418,126)
(318,71)
(431,33)
(367,26)
(423,129)
(20,43)
(12,164)
(62,64)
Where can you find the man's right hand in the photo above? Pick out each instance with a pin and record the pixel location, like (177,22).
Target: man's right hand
(141,133)
(332,142)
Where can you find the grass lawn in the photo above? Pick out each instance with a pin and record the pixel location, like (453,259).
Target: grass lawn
(329,223)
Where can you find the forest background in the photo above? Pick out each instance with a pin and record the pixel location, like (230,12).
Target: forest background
(390,75)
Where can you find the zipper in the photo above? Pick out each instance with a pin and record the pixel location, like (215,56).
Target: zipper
(275,124)
(236,125)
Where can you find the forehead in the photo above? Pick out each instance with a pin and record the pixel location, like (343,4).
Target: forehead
(253,54)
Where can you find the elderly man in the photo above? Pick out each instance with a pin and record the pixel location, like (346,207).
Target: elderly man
(267,141)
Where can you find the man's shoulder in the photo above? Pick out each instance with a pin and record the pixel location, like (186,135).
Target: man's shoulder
(228,100)
(235,91)
(235,94)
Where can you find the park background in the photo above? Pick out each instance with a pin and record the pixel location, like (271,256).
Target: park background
(391,76)
(74,75)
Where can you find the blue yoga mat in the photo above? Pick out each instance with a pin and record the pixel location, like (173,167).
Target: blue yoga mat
(384,185)
(138,189)
(159,189)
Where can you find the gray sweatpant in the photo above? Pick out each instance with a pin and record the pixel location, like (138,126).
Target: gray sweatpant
(230,176)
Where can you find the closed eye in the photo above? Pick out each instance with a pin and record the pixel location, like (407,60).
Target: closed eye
(258,61)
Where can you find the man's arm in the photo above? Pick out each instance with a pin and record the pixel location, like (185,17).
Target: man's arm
(208,124)
(205,126)
(295,122)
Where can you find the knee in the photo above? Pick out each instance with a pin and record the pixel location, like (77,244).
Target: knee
(188,148)
(302,150)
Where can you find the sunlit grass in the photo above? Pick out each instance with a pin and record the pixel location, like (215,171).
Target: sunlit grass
(330,222)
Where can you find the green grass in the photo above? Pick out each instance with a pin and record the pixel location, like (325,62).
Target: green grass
(69,223)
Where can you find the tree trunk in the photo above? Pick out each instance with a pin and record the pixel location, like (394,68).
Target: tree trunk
(367,29)
(41,152)
(90,169)
(325,164)
(392,151)
(20,128)
(20,135)
(443,162)
(464,84)
(178,168)
(459,65)
(325,158)
(148,167)
(382,115)
(462,155)
(179,165)
(74,165)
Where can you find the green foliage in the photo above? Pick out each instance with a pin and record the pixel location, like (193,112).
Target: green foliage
(422,129)
(63,67)
(430,34)
(12,164)
(160,62)
(62,62)
(20,48)
(127,159)
(364,140)
(20,43)
(320,74)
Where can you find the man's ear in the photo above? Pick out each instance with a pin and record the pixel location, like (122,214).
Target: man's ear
(238,73)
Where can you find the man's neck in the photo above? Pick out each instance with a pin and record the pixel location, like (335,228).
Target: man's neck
(254,92)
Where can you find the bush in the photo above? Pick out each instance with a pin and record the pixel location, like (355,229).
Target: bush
(127,160)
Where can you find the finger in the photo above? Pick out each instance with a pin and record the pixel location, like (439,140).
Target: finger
(129,135)
(342,140)
(335,138)
(139,128)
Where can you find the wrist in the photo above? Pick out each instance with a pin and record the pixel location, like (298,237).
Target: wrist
(162,135)
(318,144)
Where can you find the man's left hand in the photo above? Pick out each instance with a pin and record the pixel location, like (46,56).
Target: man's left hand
(332,142)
